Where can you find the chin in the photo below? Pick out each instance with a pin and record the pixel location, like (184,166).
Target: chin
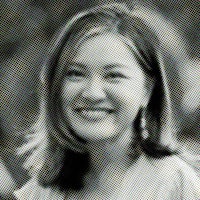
(93,130)
(96,133)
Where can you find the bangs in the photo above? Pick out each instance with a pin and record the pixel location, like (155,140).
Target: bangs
(103,23)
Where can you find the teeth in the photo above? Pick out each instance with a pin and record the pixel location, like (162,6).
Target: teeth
(94,114)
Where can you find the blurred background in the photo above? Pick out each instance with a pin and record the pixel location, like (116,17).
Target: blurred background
(27,27)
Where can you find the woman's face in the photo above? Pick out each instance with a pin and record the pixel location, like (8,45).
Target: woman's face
(103,88)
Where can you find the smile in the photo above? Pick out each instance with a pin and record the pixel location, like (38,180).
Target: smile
(94,114)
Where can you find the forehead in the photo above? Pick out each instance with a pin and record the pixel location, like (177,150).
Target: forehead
(101,49)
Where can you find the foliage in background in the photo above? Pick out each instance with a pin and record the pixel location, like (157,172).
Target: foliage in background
(26,29)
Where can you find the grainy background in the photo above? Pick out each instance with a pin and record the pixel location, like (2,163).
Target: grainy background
(26,29)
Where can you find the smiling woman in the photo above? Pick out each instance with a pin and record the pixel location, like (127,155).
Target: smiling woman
(104,127)
(95,100)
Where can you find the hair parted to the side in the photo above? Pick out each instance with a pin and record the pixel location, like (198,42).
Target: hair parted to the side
(54,150)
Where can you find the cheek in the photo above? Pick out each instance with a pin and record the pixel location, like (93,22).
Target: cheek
(129,98)
(69,93)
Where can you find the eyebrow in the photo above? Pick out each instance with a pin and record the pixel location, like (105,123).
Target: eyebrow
(106,67)
(114,65)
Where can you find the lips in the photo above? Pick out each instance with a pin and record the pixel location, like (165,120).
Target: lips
(94,114)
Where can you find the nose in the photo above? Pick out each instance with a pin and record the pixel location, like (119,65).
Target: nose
(94,90)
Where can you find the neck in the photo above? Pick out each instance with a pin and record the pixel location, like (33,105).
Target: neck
(110,157)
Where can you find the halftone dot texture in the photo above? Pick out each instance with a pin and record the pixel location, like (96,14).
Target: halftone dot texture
(27,29)
(146,179)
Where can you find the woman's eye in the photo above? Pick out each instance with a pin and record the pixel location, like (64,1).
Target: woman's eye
(115,75)
(74,74)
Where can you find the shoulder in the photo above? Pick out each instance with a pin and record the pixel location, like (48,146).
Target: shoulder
(173,166)
(165,178)
(183,178)
(192,159)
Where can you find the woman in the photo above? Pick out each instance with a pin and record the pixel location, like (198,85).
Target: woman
(103,130)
